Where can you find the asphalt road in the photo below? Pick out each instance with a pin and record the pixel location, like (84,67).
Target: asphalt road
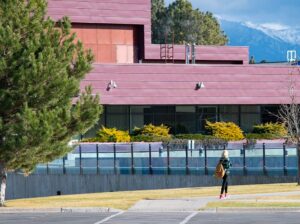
(151,218)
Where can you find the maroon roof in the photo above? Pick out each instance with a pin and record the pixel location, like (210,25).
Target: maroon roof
(150,84)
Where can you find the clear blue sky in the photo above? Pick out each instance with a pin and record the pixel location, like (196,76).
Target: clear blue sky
(277,12)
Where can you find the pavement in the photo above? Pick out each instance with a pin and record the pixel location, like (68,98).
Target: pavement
(152,218)
(165,211)
(194,204)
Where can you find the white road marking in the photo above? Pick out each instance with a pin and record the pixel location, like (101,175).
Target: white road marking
(188,218)
(109,217)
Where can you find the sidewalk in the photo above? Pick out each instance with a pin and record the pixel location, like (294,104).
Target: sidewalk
(176,205)
(196,204)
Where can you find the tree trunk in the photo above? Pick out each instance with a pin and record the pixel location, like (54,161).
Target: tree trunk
(3,176)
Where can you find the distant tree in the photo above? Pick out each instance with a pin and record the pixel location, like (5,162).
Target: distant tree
(41,67)
(188,25)
(289,114)
(158,18)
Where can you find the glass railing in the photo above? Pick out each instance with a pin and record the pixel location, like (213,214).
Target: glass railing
(154,158)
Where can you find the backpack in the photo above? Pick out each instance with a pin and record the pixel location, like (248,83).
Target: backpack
(220,171)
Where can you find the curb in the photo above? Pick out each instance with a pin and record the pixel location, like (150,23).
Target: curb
(59,210)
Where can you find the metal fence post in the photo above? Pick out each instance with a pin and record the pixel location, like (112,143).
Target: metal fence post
(64,165)
(150,160)
(132,160)
(97,158)
(168,160)
(47,169)
(115,159)
(80,160)
(244,159)
(264,159)
(186,161)
(205,161)
(284,160)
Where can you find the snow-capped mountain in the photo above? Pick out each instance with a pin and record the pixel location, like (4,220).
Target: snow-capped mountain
(284,33)
(268,42)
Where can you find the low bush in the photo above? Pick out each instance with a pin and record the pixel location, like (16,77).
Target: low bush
(95,139)
(271,130)
(152,130)
(208,141)
(151,133)
(260,136)
(227,131)
(192,136)
(150,138)
(112,135)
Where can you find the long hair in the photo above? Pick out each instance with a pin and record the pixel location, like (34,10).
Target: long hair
(225,154)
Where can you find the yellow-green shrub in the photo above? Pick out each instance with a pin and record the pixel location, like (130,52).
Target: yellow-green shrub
(113,135)
(274,129)
(150,129)
(151,132)
(228,131)
(90,140)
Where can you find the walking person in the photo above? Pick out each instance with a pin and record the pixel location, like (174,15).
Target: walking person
(226,165)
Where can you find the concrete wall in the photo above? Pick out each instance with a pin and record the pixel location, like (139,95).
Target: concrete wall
(19,186)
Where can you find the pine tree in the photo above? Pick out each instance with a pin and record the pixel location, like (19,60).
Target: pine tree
(158,21)
(41,67)
(187,24)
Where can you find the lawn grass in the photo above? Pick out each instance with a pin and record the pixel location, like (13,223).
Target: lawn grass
(285,197)
(241,204)
(125,199)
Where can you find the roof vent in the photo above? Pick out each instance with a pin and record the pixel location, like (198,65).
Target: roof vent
(187,53)
(291,55)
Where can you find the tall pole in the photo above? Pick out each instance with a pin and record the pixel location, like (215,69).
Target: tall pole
(80,160)
(168,160)
(132,160)
(205,161)
(284,159)
(298,156)
(244,159)
(97,158)
(150,160)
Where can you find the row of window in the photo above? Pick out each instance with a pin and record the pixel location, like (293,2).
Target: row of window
(184,119)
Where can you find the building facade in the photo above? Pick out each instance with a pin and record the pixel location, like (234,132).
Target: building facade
(140,82)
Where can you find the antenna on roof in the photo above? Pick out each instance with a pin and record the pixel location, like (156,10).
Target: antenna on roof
(291,56)
(187,53)
(193,53)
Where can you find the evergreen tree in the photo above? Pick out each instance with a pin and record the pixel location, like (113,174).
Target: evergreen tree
(41,67)
(158,18)
(188,25)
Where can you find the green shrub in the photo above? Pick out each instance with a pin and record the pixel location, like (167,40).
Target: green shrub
(228,131)
(273,130)
(95,139)
(113,135)
(192,136)
(260,136)
(150,138)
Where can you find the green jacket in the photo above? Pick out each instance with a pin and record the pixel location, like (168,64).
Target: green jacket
(226,164)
